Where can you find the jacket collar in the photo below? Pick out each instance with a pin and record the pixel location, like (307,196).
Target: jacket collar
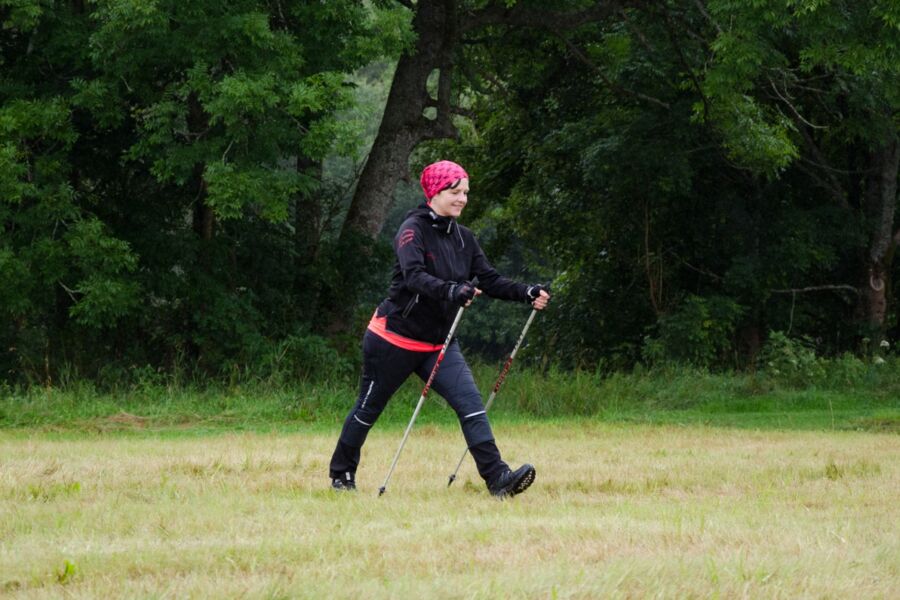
(445,225)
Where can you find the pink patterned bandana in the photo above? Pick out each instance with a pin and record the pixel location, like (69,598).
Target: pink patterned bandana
(437,176)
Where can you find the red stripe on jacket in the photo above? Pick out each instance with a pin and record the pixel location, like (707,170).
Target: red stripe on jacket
(378,326)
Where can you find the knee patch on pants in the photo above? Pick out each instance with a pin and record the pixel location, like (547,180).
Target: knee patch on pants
(363,416)
(355,432)
(476,428)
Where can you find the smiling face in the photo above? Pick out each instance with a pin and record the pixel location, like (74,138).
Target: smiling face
(451,201)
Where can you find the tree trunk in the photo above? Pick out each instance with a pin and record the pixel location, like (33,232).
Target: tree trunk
(749,342)
(307,241)
(880,208)
(307,219)
(404,125)
(439,26)
(203,222)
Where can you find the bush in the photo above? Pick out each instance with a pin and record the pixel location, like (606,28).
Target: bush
(698,333)
(791,360)
(846,370)
(302,357)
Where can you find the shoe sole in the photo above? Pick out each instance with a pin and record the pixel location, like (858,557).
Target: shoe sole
(524,483)
(521,485)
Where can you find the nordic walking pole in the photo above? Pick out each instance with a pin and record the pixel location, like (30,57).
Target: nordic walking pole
(497,385)
(434,370)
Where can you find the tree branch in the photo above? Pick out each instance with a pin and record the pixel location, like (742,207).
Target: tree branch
(793,108)
(684,63)
(463,112)
(453,110)
(523,16)
(407,3)
(444,87)
(832,183)
(636,31)
(702,8)
(700,270)
(576,51)
(817,288)
(438,129)
(491,78)
(71,293)
(684,25)
(836,193)
(443,124)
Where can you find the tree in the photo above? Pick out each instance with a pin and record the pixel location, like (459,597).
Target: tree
(657,157)
(442,27)
(152,154)
(821,81)
(417,112)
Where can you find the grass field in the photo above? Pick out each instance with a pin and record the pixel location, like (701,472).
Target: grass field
(618,510)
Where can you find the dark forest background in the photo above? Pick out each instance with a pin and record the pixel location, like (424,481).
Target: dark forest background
(210,188)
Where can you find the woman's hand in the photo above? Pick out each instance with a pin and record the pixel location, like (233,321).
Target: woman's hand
(539,296)
(463,293)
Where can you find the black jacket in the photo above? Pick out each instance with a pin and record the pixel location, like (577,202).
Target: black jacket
(433,253)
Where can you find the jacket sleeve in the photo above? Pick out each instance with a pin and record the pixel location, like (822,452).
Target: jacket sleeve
(493,283)
(410,249)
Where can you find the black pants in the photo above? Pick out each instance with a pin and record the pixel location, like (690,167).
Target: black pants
(385,368)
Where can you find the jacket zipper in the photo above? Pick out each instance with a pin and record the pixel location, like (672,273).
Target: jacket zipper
(410,305)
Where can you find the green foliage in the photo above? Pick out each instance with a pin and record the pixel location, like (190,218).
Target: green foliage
(699,332)
(276,397)
(162,196)
(792,360)
(230,190)
(67,574)
(848,369)
(23,15)
(173,178)
(753,141)
(302,357)
(711,152)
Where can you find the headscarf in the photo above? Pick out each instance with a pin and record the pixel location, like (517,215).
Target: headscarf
(437,176)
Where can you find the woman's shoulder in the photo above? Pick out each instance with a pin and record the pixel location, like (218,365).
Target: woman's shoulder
(411,222)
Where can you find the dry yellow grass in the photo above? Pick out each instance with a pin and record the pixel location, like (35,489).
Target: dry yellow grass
(617,511)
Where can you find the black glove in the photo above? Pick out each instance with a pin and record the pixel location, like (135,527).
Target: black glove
(461,293)
(534,291)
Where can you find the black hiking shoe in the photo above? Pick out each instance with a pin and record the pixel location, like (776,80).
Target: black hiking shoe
(343,484)
(513,482)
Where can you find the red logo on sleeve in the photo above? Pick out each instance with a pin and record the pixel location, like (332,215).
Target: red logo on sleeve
(406,236)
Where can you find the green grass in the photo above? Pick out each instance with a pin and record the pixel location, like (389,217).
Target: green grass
(870,400)
(657,484)
(618,510)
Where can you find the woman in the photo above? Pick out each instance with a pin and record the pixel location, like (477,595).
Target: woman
(437,258)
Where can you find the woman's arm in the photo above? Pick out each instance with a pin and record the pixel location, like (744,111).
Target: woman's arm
(410,250)
(498,286)
(493,283)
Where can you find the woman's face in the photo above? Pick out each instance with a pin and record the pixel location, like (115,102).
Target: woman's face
(451,202)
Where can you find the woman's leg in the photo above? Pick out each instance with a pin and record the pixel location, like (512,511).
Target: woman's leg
(455,383)
(385,368)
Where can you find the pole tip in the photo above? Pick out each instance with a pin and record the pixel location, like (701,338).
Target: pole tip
(452,479)
(380,491)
